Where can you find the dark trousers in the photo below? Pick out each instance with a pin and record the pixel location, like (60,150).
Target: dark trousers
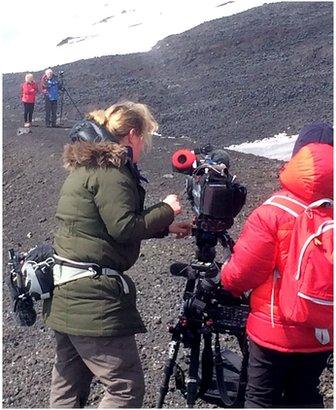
(28,111)
(50,111)
(287,380)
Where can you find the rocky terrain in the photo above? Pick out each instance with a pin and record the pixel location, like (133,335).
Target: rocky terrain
(227,81)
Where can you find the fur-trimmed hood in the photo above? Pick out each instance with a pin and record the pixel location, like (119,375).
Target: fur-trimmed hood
(94,155)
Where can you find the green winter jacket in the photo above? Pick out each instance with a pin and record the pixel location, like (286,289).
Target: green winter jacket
(101,220)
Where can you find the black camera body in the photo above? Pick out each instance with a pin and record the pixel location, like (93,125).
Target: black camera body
(215,195)
(61,81)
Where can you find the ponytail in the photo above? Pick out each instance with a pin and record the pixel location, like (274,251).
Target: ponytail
(120,118)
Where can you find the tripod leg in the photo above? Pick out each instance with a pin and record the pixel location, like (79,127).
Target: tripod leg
(73,102)
(192,381)
(174,346)
(207,364)
(243,344)
(61,108)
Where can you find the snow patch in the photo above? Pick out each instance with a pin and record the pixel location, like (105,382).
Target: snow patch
(278,147)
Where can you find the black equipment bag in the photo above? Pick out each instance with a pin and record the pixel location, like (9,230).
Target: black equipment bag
(230,376)
(30,278)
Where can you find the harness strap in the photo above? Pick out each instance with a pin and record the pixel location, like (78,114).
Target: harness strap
(112,272)
(66,270)
(60,260)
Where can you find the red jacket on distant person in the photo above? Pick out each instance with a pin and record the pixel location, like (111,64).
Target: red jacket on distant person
(263,246)
(28,92)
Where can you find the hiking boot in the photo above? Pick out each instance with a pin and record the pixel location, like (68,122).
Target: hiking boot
(26,124)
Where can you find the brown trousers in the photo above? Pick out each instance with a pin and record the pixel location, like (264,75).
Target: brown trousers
(113,360)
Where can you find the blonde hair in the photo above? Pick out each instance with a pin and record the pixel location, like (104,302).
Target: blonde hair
(121,117)
(48,71)
(29,77)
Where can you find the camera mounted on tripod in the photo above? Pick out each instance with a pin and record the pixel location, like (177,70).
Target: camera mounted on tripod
(207,309)
(64,91)
(215,195)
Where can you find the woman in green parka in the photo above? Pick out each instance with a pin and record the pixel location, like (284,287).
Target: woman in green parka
(101,223)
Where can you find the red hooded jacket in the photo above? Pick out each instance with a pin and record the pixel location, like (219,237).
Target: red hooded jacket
(28,92)
(263,246)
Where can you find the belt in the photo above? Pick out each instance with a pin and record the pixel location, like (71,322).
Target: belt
(66,270)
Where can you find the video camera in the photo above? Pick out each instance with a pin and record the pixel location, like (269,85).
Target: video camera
(215,195)
(207,309)
(61,86)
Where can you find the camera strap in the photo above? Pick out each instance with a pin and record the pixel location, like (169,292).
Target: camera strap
(221,367)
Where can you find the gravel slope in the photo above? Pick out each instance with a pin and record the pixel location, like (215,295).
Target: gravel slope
(226,81)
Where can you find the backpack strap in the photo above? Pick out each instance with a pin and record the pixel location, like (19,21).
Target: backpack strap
(288,204)
(295,207)
(324,201)
(324,227)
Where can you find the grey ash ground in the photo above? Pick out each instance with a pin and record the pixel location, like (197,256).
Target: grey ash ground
(227,81)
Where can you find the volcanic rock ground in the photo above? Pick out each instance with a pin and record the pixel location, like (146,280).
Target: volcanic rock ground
(234,79)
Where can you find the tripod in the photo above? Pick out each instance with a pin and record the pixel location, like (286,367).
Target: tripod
(65,91)
(207,309)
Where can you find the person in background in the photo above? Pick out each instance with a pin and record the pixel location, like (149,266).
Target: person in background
(286,357)
(101,224)
(50,88)
(28,92)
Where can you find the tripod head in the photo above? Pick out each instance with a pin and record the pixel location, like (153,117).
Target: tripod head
(206,304)
(207,236)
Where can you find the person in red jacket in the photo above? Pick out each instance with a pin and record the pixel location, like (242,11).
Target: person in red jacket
(286,359)
(29,90)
